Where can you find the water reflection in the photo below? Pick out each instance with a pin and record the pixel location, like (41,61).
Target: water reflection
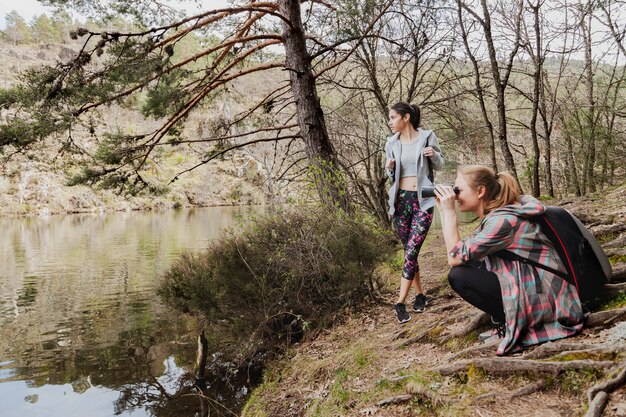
(81,331)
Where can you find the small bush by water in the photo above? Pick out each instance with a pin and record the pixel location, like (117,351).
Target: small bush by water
(268,282)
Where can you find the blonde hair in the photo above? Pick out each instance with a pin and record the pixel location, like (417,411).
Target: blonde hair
(501,189)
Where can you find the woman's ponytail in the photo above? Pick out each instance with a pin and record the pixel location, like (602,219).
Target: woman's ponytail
(508,192)
(501,189)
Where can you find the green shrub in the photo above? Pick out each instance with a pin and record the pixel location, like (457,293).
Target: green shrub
(283,273)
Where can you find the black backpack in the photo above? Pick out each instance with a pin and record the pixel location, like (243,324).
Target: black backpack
(587,265)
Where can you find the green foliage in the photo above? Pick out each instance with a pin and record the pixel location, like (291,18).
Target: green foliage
(165,97)
(45,30)
(17,29)
(300,266)
(617,259)
(576,382)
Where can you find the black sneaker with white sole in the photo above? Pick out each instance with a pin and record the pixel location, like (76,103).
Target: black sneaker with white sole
(401,313)
(420,303)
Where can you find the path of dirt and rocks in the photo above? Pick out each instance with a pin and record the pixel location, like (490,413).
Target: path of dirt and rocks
(435,365)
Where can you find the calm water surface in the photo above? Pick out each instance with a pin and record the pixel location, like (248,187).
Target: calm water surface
(82,332)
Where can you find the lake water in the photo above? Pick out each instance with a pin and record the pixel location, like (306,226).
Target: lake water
(82,332)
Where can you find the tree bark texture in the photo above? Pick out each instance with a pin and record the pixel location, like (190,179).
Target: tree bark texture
(311,120)
(500,83)
(536,94)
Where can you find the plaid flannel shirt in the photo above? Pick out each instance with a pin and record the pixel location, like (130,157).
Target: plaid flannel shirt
(539,306)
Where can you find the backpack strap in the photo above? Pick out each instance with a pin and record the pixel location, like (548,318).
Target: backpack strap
(431,173)
(511,256)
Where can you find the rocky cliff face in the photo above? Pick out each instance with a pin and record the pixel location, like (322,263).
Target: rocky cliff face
(32,185)
(33,190)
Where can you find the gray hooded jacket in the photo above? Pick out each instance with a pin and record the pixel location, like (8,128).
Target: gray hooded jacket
(393,149)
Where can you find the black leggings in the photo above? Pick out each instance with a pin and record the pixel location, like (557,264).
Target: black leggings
(478,287)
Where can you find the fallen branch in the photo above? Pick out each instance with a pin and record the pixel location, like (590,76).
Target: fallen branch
(605,318)
(397,399)
(509,365)
(201,356)
(425,394)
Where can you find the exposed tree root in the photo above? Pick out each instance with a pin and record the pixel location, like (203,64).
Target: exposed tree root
(528,389)
(423,335)
(445,307)
(607,229)
(552,348)
(415,392)
(400,335)
(613,290)
(616,243)
(596,407)
(619,273)
(475,323)
(605,318)
(427,333)
(525,390)
(509,365)
(609,384)
(481,349)
(615,252)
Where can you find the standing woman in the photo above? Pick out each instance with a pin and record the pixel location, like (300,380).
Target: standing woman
(531,305)
(412,153)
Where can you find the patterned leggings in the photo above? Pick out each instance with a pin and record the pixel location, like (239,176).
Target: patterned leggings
(411,224)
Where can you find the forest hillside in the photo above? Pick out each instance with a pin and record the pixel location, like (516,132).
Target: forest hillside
(38,182)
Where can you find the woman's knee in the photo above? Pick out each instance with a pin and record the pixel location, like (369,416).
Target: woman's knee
(456,277)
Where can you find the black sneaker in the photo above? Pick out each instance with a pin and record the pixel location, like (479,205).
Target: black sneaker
(402,314)
(419,305)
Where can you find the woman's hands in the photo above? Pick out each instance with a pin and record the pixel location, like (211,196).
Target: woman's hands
(445,197)
(390,165)
(428,151)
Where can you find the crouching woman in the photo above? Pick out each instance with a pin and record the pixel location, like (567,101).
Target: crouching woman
(531,304)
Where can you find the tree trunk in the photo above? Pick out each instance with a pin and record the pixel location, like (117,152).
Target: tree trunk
(590,157)
(547,134)
(500,85)
(536,88)
(479,89)
(319,149)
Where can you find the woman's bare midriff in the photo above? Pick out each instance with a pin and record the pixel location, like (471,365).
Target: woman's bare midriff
(408,183)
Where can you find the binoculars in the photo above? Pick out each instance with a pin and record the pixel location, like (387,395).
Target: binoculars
(429,191)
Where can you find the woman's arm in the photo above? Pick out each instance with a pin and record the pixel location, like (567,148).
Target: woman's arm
(390,162)
(445,198)
(435,156)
